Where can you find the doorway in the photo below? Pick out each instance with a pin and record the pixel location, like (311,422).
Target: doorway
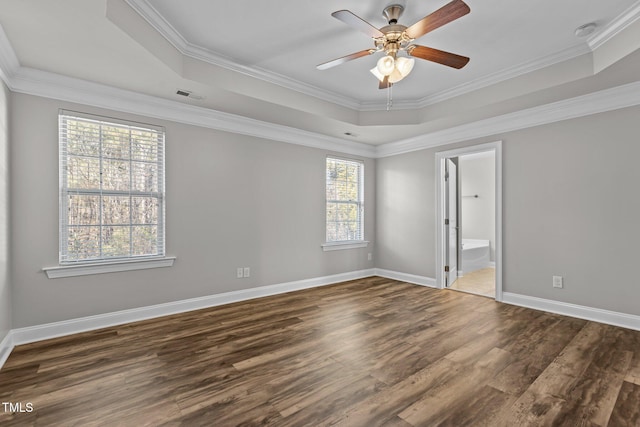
(469,251)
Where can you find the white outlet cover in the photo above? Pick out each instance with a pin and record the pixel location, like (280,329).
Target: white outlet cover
(557,281)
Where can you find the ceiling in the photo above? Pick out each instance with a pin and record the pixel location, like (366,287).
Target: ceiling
(290,37)
(258,59)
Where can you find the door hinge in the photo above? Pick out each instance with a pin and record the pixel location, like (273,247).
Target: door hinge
(446,176)
(446,268)
(446,221)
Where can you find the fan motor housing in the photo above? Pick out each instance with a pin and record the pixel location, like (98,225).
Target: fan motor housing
(392,13)
(394,39)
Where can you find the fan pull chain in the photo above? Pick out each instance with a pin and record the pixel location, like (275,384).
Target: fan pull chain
(389,96)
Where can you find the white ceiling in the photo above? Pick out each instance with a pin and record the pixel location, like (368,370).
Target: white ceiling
(258,59)
(290,37)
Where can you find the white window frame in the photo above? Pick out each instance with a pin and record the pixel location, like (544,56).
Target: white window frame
(105,264)
(346,244)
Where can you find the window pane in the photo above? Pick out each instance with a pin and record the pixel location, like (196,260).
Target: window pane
(331,190)
(332,231)
(352,191)
(83,210)
(145,177)
(332,211)
(347,212)
(83,243)
(144,240)
(341,190)
(115,241)
(115,210)
(341,232)
(144,145)
(83,172)
(341,170)
(352,230)
(115,175)
(144,210)
(352,173)
(115,142)
(83,139)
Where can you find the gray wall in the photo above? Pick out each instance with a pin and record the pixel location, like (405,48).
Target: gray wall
(570,208)
(5,285)
(232,201)
(405,213)
(478,215)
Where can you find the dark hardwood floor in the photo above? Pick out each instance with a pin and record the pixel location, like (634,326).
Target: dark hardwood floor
(362,353)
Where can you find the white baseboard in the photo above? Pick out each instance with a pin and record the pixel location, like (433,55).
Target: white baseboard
(623,320)
(6,346)
(84,324)
(405,277)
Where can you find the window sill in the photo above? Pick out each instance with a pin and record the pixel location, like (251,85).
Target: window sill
(107,267)
(338,246)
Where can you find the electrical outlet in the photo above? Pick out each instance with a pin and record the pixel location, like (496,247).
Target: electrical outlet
(557,281)
(369,256)
(239,273)
(247,272)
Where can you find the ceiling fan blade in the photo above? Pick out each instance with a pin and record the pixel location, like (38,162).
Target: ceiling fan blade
(440,56)
(358,23)
(344,59)
(384,83)
(444,15)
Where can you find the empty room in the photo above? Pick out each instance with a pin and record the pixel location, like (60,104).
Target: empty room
(296,213)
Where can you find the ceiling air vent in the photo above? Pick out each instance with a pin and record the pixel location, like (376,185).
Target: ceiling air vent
(189,94)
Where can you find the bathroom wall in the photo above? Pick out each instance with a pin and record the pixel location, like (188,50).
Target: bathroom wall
(477,177)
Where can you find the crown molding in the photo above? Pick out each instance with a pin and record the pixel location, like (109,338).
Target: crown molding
(8,59)
(166,30)
(157,21)
(506,74)
(619,24)
(50,85)
(597,102)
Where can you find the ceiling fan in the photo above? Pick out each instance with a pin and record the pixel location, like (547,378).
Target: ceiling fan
(395,38)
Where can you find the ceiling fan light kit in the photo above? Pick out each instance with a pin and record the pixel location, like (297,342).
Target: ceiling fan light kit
(395,69)
(395,38)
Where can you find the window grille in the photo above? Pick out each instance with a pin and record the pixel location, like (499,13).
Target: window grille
(111,189)
(345,201)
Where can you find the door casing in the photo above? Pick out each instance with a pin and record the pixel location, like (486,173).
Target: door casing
(441,235)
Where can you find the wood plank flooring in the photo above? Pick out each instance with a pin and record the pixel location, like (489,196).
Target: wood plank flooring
(369,352)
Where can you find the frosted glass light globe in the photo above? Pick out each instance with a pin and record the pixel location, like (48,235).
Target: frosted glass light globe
(386,65)
(405,65)
(376,73)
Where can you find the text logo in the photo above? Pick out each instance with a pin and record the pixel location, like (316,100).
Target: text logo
(17,407)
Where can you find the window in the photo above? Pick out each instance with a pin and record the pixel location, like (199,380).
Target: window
(111,189)
(345,207)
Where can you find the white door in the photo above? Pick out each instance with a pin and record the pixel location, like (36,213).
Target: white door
(452,216)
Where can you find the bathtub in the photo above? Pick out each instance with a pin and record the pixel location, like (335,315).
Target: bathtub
(476,254)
